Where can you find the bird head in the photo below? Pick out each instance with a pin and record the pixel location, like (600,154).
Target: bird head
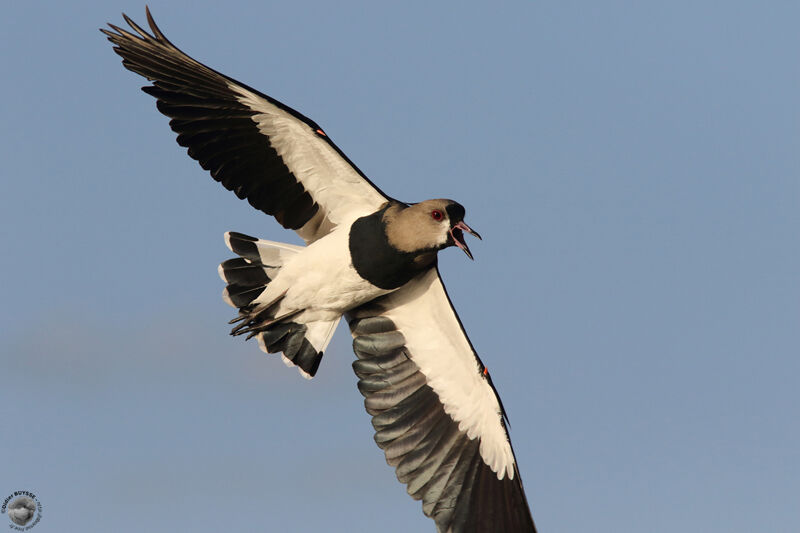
(428,225)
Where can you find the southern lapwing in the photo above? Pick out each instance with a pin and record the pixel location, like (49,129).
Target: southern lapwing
(369,258)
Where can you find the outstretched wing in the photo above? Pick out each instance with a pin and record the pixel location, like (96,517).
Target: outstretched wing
(436,414)
(282,162)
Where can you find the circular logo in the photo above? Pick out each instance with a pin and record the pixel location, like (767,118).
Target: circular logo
(23,509)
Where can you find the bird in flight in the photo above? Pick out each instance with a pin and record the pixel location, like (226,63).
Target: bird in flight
(369,258)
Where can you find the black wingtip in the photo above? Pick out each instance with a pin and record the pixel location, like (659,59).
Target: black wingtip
(152,23)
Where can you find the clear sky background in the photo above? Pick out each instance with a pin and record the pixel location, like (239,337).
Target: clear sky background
(633,168)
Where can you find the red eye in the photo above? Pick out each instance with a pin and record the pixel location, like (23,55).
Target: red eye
(437,215)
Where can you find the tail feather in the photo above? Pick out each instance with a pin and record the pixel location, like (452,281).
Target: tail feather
(243,272)
(268,253)
(247,276)
(290,339)
(320,333)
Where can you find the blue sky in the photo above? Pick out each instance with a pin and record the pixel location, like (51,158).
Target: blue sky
(633,168)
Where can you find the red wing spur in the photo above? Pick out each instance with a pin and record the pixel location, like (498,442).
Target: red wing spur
(369,258)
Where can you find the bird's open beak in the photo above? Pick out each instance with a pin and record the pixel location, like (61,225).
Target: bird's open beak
(456,232)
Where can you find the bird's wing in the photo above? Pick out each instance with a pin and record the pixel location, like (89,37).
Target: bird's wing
(436,414)
(282,162)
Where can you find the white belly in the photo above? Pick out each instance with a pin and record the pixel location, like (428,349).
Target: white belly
(320,280)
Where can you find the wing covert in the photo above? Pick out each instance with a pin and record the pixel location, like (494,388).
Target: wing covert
(283,163)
